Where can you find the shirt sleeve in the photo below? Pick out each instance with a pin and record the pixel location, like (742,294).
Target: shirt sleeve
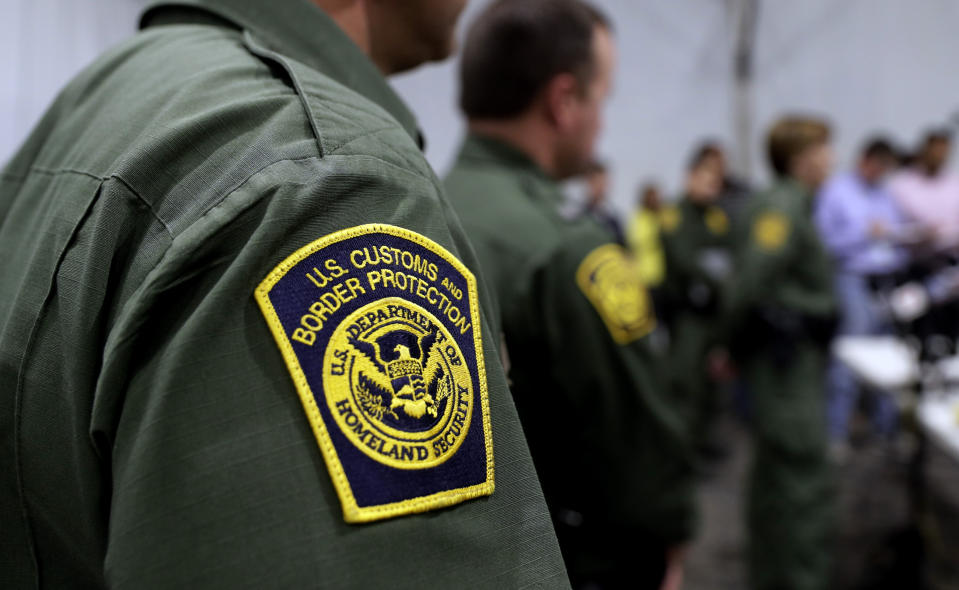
(217,475)
(841,232)
(762,256)
(767,253)
(678,263)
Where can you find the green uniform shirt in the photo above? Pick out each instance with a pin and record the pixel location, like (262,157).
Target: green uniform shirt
(152,432)
(697,241)
(574,316)
(780,303)
(780,260)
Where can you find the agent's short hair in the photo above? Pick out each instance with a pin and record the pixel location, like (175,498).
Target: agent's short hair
(940,135)
(595,167)
(705,150)
(516,47)
(879,147)
(791,136)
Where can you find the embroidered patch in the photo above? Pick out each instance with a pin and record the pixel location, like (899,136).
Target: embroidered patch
(717,221)
(770,231)
(611,281)
(380,330)
(670,218)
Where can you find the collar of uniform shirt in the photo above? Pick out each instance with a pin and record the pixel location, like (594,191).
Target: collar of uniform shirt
(484,149)
(298,29)
(790,188)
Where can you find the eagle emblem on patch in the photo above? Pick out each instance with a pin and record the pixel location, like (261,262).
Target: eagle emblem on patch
(379,328)
(611,280)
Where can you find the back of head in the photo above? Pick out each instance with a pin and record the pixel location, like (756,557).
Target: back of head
(879,148)
(516,47)
(935,150)
(790,137)
(597,183)
(650,197)
(936,136)
(877,158)
(708,150)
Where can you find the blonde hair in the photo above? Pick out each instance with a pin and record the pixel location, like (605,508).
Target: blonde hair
(791,136)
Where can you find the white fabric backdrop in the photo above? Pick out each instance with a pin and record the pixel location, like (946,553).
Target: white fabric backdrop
(868,64)
(43,44)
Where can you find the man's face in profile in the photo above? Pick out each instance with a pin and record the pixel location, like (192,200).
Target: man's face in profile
(580,138)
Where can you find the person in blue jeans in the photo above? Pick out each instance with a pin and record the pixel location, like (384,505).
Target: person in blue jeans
(860,223)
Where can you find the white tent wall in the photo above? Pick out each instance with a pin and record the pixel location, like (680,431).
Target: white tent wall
(869,65)
(44,43)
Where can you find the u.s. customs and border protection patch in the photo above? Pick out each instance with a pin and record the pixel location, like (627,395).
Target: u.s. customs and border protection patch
(611,280)
(717,222)
(669,218)
(380,329)
(770,231)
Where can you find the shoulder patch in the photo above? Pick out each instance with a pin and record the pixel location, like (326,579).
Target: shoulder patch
(770,231)
(380,329)
(669,218)
(717,221)
(611,281)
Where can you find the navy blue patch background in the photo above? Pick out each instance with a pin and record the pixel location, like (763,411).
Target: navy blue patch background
(374,483)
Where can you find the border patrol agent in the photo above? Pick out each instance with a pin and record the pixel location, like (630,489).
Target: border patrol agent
(697,242)
(782,303)
(240,344)
(610,453)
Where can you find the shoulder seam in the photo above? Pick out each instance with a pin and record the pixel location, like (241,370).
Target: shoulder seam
(102,179)
(145,202)
(163,259)
(264,53)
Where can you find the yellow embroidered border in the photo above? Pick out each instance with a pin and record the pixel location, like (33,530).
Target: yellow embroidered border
(351,511)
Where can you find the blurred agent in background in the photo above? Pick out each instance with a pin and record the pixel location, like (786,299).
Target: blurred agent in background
(733,191)
(781,306)
(928,193)
(696,241)
(861,225)
(643,237)
(597,200)
(575,317)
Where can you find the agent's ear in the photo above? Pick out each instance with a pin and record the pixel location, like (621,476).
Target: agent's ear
(562,98)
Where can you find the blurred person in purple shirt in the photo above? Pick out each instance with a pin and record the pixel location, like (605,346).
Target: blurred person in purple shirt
(861,225)
(928,194)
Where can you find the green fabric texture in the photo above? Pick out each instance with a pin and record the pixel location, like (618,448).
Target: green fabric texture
(791,512)
(150,433)
(605,441)
(796,276)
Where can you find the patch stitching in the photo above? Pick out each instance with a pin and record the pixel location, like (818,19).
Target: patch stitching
(352,512)
(621,333)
